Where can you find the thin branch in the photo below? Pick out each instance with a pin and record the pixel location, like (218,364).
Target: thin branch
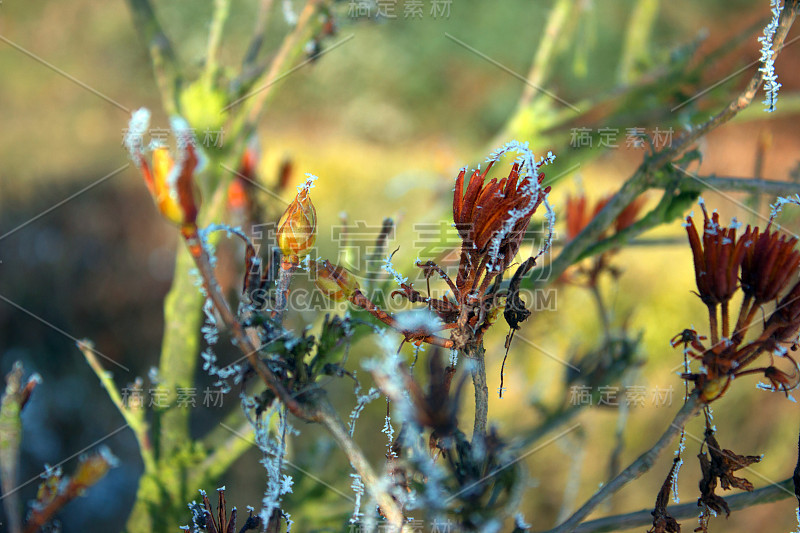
(771,493)
(636,468)
(259,31)
(724,183)
(165,66)
(328,418)
(358,299)
(291,43)
(201,259)
(221,11)
(133,417)
(637,38)
(543,59)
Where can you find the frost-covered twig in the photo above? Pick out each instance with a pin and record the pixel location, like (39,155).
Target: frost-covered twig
(198,252)
(771,85)
(328,417)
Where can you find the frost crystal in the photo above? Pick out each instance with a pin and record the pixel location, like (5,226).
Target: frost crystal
(771,85)
(388,430)
(675,497)
(137,127)
(309,183)
(286,484)
(453,358)
(418,320)
(520,523)
(780,201)
(529,170)
(273,451)
(389,267)
(289,13)
(358,489)
(361,403)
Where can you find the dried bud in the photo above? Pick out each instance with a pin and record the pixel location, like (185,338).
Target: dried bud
(336,282)
(170,182)
(297,229)
(93,468)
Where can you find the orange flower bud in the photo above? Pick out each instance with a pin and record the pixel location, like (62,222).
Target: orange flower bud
(297,228)
(336,282)
(171,185)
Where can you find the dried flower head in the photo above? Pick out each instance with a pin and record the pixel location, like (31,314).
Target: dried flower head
(716,259)
(492,217)
(769,263)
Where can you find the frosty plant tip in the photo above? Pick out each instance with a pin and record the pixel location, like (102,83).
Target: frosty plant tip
(297,228)
(169,180)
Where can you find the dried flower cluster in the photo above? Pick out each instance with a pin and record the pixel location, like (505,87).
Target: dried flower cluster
(491,219)
(762,265)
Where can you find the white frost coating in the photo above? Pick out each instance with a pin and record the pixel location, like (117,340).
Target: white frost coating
(384,370)
(153,375)
(418,320)
(780,201)
(185,138)
(361,403)
(519,522)
(771,85)
(209,329)
(273,451)
(453,358)
(308,184)
(675,497)
(358,490)
(389,267)
(797,513)
(529,170)
(105,453)
(286,484)
(137,128)
(492,526)
(289,13)
(388,430)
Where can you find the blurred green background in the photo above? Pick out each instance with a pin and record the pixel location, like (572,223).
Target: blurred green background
(386,120)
